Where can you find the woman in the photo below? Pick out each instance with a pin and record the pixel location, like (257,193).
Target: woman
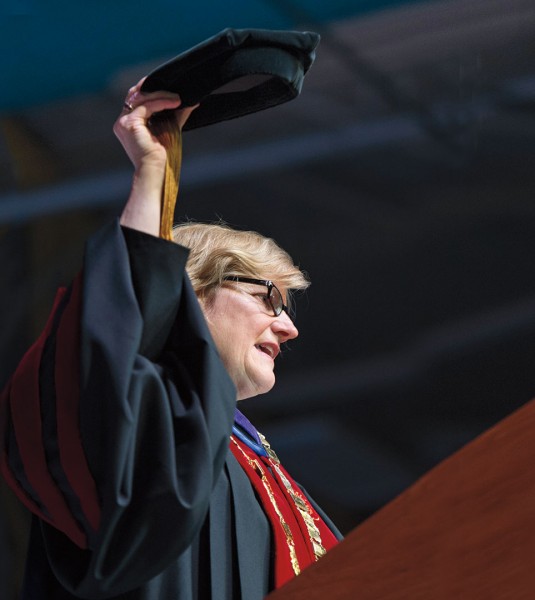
(117,421)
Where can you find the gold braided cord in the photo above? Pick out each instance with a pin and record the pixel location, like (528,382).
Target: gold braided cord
(168,131)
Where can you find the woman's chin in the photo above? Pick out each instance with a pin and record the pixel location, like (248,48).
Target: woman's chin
(259,385)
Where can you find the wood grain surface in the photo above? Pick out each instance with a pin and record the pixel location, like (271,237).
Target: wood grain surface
(466,530)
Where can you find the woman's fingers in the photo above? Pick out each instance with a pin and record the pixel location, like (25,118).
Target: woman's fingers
(136,112)
(132,127)
(136,98)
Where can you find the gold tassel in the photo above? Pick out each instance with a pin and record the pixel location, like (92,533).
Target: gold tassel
(168,131)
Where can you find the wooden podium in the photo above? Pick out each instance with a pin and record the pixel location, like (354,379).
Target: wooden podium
(464,531)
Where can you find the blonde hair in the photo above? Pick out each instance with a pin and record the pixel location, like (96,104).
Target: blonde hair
(217,251)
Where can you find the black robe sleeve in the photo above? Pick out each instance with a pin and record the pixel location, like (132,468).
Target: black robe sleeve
(115,426)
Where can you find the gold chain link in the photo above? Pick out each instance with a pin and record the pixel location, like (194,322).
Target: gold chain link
(285,527)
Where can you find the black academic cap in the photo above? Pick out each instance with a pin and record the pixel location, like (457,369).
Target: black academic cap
(237,72)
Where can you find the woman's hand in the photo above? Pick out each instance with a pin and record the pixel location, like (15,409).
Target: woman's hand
(133,130)
(147,153)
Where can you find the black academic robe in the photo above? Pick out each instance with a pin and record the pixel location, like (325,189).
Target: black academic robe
(137,494)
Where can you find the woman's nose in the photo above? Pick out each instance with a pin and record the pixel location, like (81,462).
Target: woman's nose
(284,327)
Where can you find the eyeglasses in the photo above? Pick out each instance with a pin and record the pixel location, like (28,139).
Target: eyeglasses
(274,297)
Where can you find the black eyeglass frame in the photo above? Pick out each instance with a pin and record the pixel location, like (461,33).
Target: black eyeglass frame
(270,287)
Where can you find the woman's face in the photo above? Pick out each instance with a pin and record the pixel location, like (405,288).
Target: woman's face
(247,335)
